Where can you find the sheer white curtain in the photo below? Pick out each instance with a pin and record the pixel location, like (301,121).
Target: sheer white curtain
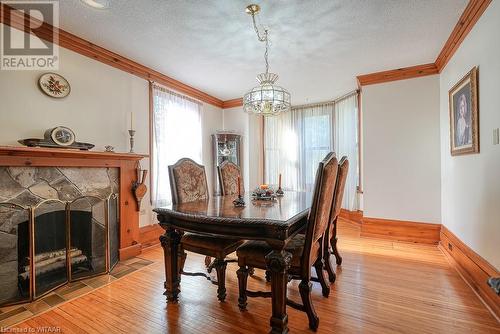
(295,142)
(176,134)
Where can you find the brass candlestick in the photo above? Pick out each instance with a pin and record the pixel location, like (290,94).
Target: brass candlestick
(279,192)
(239,202)
(132,134)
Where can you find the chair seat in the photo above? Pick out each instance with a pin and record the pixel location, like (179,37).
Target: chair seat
(253,253)
(210,246)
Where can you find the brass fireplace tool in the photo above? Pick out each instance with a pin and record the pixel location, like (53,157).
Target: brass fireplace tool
(139,188)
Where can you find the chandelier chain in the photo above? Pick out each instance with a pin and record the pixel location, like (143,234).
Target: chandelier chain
(262,38)
(266,99)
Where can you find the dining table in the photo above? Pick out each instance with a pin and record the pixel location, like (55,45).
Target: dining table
(275,222)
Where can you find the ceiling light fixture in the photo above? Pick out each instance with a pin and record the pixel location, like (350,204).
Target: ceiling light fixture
(266,99)
(99,4)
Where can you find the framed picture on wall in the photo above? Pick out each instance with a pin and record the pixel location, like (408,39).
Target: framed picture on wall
(464,115)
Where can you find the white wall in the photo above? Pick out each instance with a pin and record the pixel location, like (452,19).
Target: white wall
(98,110)
(211,121)
(401,153)
(471,183)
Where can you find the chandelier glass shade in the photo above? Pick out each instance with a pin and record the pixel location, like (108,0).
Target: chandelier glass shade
(266,99)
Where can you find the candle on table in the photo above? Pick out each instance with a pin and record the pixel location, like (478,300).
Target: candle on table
(239,186)
(279,182)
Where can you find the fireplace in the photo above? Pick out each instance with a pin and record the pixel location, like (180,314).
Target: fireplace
(47,242)
(64,215)
(70,242)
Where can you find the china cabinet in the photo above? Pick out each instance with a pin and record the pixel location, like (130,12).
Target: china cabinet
(226,146)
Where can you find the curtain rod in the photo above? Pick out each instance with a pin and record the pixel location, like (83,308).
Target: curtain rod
(338,99)
(167,90)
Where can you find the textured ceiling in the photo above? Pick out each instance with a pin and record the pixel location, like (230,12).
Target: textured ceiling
(317,46)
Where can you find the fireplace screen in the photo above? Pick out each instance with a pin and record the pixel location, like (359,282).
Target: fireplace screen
(14,255)
(49,243)
(53,243)
(88,237)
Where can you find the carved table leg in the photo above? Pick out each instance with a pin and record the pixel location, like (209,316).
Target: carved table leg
(220,267)
(278,263)
(242,284)
(170,242)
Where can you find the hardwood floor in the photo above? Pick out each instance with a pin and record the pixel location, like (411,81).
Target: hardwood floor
(383,287)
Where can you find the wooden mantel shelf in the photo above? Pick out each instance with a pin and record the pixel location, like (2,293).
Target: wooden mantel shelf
(66,153)
(13,156)
(61,157)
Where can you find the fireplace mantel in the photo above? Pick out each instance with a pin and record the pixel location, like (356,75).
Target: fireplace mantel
(130,246)
(27,154)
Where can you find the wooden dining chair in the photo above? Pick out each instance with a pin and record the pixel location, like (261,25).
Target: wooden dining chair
(188,183)
(331,232)
(228,178)
(306,249)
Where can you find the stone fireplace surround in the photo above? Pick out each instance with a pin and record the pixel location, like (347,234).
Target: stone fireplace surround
(29,176)
(54,194)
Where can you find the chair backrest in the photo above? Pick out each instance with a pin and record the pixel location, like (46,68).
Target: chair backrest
(228,178)
(339,188)
(188,181)
(319,215)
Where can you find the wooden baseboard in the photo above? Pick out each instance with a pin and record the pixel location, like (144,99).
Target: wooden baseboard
(353,217)
(129,252)
(150,235)
(400,230)
(473,268)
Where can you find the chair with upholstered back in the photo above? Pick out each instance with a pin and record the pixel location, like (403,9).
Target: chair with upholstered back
(331,235)
(306,249)
(188,183)
(228,178)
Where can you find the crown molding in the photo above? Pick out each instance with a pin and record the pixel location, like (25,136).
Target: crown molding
(81,46)
(471,14)
(397,74)
(232,103)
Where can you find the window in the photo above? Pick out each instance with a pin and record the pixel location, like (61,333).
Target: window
(317,143)
(176,134)
(295,142)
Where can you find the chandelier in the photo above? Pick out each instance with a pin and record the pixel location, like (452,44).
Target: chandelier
(267,98)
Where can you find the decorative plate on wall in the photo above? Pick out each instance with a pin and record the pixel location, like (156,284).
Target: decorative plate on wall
(54,85)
